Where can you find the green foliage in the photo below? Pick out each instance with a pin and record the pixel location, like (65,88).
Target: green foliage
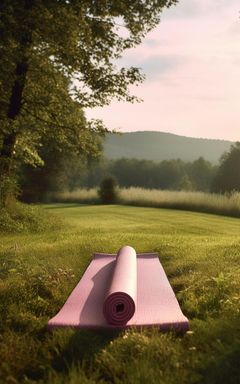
(18,217)
(144,173)
(108,191)
(200,254)
(61,170)
(185,184)
(8,191)
(56,58)
(228,177)
(201,173)
(167,174)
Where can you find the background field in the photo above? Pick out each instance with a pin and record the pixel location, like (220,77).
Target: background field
(200,254)
(227,205)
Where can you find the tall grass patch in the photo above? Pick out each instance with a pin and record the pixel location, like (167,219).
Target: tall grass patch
(18,217)
(228,205)
(80,196)
(193,201)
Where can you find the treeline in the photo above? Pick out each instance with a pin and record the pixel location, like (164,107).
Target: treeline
(56,60)
(67,174)
(65,171)
(167,174)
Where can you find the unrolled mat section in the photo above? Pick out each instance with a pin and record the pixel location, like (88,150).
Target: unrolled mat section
(123,290)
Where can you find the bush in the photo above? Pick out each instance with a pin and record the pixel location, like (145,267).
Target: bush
(27,218)
(108,191)
(9,190)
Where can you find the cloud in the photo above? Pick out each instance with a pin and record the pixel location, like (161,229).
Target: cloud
(154,43)
(158,65)
(184,9)
(197,8)
(192,66)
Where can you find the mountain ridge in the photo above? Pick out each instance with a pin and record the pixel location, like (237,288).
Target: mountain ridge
(158,146)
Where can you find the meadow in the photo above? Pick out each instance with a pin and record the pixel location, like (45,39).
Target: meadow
(227,205)
(39,268)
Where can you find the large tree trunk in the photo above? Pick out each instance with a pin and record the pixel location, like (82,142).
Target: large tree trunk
(7,184)
(14,108)
(15,101)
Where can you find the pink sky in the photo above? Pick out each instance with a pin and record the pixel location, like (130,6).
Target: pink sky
(192,66)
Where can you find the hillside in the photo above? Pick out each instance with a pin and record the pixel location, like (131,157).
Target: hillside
(159,146)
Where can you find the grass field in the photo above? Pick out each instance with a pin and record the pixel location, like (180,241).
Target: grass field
(226,205)
(201,256)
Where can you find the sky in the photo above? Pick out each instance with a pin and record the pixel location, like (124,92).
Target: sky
(192,65)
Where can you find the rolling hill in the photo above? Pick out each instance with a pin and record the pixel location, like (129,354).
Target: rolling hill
(158,146)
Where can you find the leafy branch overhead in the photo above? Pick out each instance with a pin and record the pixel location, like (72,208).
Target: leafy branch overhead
(58,57)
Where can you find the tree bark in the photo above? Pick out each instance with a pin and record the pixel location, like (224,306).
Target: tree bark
(8,188)
(15,101)
(14,109)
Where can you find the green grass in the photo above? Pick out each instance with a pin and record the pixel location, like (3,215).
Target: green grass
(18,217)
(226,205)
(200,254)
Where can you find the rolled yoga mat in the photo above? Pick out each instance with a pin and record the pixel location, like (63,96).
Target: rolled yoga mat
(120,303)
(155,302)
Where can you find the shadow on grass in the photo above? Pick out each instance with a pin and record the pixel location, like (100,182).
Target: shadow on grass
(82,347)
(70,205)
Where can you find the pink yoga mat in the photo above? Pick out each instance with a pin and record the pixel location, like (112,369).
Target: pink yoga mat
(120,302)
(123,290)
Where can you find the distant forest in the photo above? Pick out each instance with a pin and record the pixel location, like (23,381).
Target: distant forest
(168,174)
(65,172)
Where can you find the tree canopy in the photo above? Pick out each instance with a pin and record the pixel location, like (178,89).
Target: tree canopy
(228,177)
(63,171)
(58,57)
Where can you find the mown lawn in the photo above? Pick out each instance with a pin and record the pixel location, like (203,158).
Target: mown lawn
(201,256)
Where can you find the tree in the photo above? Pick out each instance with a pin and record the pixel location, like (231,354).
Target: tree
(56,58)
(62,170)
(185,184)
(201,173)
(170,173)
(108,191)
(228,177)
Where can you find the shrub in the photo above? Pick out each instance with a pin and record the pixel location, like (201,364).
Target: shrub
(9,190)
(108,191)
(27,218)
